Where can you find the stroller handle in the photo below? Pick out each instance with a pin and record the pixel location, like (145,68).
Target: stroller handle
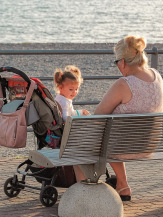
(16,71)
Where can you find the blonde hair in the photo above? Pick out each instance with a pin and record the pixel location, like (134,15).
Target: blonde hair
(131,49)
(70,72)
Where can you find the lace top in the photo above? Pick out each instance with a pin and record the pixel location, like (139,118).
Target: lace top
(147,97)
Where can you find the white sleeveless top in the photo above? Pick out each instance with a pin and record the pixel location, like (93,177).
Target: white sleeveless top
(147,97)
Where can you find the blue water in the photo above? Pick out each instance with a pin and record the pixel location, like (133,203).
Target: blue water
(81,21)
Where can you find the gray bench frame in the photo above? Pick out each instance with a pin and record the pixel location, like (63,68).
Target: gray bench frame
(88,140)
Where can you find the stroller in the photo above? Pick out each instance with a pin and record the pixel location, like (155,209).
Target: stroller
(47,126)
(48,135)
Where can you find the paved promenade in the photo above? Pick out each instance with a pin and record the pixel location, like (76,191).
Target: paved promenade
(145,179)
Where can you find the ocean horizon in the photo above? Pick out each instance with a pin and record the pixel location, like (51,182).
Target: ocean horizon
(75,21)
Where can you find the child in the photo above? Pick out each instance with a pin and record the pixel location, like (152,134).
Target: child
(67,85)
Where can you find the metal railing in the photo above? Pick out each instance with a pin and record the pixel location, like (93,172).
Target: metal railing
(154,53)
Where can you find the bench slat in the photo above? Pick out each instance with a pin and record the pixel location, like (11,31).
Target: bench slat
(83,134)
(50,158)
(135,135)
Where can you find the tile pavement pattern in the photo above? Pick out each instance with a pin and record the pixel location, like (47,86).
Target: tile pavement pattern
(145,179)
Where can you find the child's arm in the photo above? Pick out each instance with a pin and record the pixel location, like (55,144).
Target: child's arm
(85,112)
(81,112)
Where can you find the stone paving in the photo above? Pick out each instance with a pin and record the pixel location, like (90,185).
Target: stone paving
(145,179)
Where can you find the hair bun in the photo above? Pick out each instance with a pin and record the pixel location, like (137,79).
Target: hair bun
(73,69)
(58,76)
(138,43)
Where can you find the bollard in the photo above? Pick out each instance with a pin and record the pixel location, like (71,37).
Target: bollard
(90,200)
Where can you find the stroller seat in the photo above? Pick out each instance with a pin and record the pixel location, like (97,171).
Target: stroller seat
(12,106)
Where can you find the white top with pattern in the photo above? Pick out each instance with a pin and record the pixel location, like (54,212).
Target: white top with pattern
(147,97)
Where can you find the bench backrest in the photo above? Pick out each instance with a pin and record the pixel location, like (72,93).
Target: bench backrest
(83,137)
(103,135)
(135,136)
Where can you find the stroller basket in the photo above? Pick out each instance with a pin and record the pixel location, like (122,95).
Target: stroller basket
(56,176)
(46,174)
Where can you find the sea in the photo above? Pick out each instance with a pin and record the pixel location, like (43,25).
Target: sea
(79,21)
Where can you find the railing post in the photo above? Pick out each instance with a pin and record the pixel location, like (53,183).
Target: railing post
(154,58)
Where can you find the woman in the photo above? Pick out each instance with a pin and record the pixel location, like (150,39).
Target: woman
(140,90)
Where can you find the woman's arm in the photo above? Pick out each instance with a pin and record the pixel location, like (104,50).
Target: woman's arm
(117,94)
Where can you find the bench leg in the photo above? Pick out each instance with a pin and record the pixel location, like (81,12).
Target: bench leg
(92,172)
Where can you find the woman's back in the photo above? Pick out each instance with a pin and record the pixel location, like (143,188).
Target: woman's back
(147,97)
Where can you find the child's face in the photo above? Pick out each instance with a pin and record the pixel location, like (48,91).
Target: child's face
(69,89)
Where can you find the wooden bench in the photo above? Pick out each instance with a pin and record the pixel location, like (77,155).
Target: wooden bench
(92,141)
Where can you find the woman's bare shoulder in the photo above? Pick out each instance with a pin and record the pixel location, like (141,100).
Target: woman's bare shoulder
(120,83)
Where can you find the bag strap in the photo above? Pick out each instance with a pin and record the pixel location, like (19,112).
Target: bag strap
(1,97)
(1,93)
(29,94)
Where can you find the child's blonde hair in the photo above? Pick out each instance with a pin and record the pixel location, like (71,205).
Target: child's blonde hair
(70,72)
(131,49)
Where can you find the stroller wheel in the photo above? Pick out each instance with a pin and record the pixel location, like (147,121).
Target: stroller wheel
(48,196)
(11,188)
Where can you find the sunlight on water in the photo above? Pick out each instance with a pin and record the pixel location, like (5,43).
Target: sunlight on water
(80,21)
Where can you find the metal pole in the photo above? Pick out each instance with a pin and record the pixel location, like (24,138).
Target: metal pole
(154,58)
